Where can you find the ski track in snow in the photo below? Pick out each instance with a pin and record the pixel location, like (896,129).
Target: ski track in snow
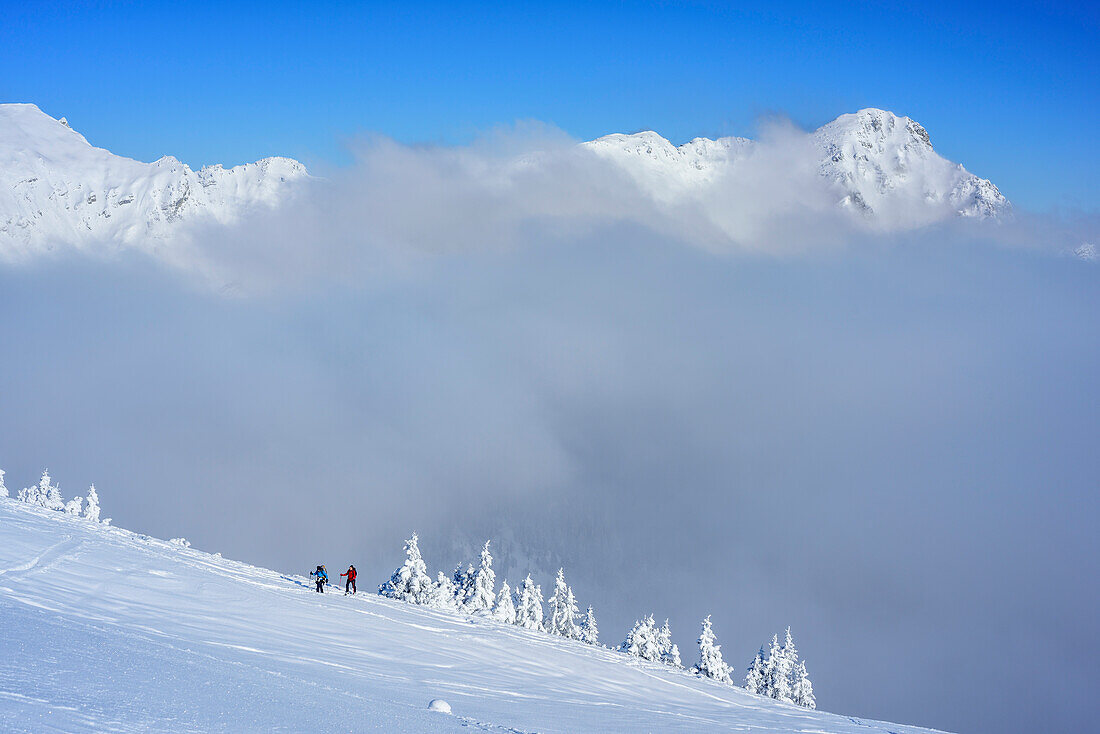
(102,629)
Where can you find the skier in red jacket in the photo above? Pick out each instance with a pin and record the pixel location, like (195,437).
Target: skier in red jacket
(350,583)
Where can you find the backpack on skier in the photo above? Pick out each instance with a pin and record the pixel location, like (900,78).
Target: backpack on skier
(321,577)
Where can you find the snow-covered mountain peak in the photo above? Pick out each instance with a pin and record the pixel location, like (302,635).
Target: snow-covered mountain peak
(25,123)
(877,129)
(58,189)
(665,170)
(887,168)
(882,166)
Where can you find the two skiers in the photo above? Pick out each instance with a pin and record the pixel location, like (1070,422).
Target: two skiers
(321,577)
(350,583)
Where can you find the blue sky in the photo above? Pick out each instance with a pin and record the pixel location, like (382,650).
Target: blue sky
(1010,90)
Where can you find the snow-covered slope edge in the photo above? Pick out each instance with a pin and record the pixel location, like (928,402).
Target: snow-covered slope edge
(104,629)
(57,189)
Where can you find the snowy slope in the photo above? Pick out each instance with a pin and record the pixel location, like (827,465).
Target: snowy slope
(56,188)
(106,630)
(881,165)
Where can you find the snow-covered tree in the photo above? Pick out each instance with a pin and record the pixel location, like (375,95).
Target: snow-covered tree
(664,638)
(44,494)
(770,663)
(484,584)
(802,691)
(755,682)
(464,585)
(442,594)
(529,609)
(572,628)
(28,495)
(643,640)
(3,489)
(590,632)
(73,506)
(504,610)
(710,656)
(556,604)
(779,668)
(783,670)
(563,610)
(410,582)
(91,512)
(670,653)
(54,500)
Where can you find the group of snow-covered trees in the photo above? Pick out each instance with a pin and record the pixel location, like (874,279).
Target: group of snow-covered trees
(780,674)
(473,591)
(645,640)
(47,494)
(648,642)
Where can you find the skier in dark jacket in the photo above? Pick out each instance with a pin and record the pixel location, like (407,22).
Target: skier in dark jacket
(350,583)
(321,577)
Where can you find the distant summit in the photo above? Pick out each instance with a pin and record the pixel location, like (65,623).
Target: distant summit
(56,188)
(883,166)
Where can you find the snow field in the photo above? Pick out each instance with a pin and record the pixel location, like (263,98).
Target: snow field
(102,629)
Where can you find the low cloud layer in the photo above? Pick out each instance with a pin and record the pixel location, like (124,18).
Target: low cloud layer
(397,205)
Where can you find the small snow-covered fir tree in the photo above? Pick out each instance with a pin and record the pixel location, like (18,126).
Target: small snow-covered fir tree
(464,585)
(410,582)
(802,692)
(778,671)
(529,609)
(670,653)
(590,632)
(53,498)
(3,489)
(33,495)
(556,604)
(91,512)
(643,640)
(504,610)
(572,628)
(563,610)
(755,682)
(783,670)
(73,506)
(770,663)
(484,584)
(28,495)
(664,638)
(442,594)
(710,656)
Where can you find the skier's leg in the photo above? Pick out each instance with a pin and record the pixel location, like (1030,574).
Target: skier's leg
(353,586)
